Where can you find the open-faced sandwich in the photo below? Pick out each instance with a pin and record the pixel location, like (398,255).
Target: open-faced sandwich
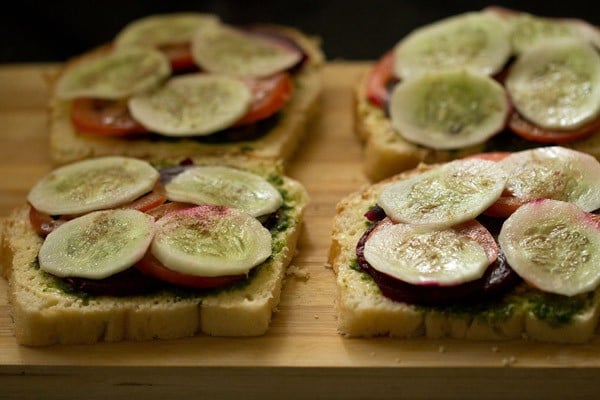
(187,85)
(494,80)
(114,248)
(489,247)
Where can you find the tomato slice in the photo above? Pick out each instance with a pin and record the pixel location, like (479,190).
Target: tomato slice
(180,56)
(379,78)
(149,265)
(505,206)
(163,209)
(149,201)
(43,223)
(491,156)
(534,133)
(105,117)
(112,117)
(269,96)
(507,203)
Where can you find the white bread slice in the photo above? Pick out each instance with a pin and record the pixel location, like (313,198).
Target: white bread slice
(278,143)
(364,312)
(387,153)
(44,313)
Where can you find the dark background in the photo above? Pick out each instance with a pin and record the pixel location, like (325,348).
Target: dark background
(33,31)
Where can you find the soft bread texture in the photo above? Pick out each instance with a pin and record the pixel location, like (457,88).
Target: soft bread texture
(364,312)
(44,314)
(387,153)
(278,143)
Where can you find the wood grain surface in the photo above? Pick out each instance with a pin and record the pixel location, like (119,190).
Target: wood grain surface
(301,356)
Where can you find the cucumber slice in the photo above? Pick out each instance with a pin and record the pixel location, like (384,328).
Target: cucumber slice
(557,85)
(163,29)
(225,186)
(97,245)
(554,173)
(444,196)
(114,75)
(232,52)
(211,240)
(437,257)
(553,245)
(92,184)
(192,105)
(476,41)
(528,31)
(448,110)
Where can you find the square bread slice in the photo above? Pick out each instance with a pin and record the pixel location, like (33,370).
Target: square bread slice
(281,136)
(364,312)
(45,311)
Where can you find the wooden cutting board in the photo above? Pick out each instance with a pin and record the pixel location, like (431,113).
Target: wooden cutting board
(301,356)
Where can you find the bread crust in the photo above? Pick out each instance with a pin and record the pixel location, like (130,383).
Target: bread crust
(45,314)
(364,312)
(279,143)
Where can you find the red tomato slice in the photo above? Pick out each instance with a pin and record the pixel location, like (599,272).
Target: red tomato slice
(149,201)
(108,117)
(505,206)
(534,133)
(149,265)
(379,78)
(270,95)
(43,223)
(491,156)
(105,117)
(180,56)
(163,209)
(507,203)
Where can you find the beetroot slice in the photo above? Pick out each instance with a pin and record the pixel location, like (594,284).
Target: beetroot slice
(130,282)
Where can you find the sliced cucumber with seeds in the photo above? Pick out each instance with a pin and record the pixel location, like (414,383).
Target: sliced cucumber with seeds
(448,110)
(528,31)
(557,85)
(158,30)
(553,245)
(435,257)
(92,184)
(555,173)
(190,105)
(114,75)
(230,51)
(225,186)
(97,245)
(445,196)
(211,240)
(475,41)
